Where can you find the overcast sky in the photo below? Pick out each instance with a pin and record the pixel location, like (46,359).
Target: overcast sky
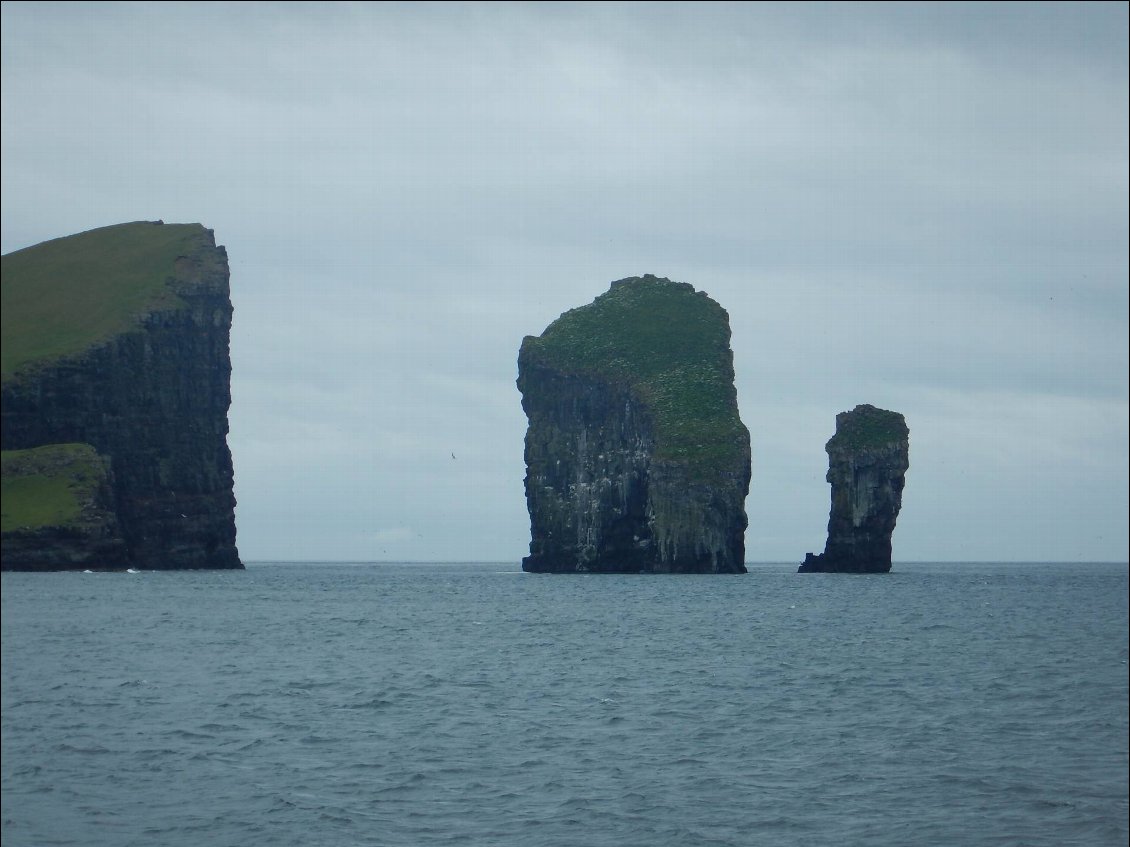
(921,207)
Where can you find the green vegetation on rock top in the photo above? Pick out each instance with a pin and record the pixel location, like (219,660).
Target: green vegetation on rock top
(63,296)
(867,426)
(47,486)
(672,345)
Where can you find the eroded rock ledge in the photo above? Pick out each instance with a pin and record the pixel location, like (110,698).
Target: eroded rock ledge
(867,462)
(637,460)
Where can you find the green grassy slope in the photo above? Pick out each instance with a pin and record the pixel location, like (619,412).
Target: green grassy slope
(47,486)
(867,426)
(60,297)
(672,345)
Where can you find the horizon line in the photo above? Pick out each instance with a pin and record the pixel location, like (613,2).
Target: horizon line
(747,562)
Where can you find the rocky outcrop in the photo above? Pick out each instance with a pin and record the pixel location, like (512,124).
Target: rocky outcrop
(636,458)
(151,396)
(58,510)
(867,462)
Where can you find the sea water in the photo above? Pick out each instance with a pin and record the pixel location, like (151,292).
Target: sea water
(378,704)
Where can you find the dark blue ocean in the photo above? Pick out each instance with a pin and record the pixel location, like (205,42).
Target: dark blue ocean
(339,704)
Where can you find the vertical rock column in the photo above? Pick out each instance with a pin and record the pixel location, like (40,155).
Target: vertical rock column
(867,462)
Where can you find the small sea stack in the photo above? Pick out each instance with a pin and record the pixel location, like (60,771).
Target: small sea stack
(867,462)
(636,458)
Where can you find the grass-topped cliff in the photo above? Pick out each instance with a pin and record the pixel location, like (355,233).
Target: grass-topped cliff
(116,386)
(49,486)
(63,296)
(636,459)
(671,344)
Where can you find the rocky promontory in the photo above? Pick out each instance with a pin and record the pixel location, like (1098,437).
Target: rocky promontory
(867,462)
(636,458)
(116,388)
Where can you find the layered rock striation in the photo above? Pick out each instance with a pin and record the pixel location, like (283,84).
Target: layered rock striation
(867,462)
(637,460)
(120,341)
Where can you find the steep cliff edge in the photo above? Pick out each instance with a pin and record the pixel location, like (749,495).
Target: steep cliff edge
(117,338)
(867,462)
(636,457)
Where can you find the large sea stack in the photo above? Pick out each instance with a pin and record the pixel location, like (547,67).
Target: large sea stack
(116,387)
(636,459)
(867,462)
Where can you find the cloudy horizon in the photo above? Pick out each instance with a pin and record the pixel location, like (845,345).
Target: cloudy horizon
(918,206)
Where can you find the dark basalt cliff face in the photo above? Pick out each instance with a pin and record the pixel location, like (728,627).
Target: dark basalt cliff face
(636,458)
(153,400)
(867,462)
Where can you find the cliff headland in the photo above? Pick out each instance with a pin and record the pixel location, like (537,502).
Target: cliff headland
(115,393)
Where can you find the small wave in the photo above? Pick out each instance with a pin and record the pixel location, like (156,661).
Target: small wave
(186,734)
(335,817)
(95,750)
(157,753)
(375,703)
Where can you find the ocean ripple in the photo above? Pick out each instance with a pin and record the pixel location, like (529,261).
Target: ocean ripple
(385,705)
